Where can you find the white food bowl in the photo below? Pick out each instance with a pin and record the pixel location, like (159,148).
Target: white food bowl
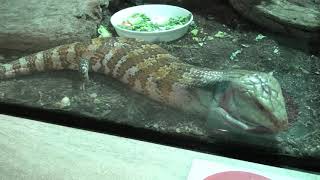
(155,11)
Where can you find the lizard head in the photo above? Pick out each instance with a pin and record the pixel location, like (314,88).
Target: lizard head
(253,101)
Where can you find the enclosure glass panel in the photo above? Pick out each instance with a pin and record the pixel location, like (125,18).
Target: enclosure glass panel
(212,70)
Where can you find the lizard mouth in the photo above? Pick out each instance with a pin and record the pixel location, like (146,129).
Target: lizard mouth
(245,121)
(246,125)
(260,130)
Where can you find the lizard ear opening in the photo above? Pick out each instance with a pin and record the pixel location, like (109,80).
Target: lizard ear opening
(219,88)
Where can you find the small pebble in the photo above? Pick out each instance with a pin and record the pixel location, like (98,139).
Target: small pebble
(65,102)
(156,126)
(304,70)
(93,95)
(210,17)
(276,50)
(96,101)
(245,45)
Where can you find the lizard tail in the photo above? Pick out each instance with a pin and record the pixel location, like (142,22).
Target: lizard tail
(61,57)
(22,66)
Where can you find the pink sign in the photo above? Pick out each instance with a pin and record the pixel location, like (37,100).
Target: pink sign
(239,175)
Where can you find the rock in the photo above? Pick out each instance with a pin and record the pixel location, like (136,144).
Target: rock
(281,16)
(65,102)
(93,95)
(33,25)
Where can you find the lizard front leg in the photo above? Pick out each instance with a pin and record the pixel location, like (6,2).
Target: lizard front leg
(84,64)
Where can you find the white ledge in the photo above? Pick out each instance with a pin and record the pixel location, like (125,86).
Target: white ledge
(36,150)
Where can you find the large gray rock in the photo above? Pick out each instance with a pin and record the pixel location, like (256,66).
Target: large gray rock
(32,25)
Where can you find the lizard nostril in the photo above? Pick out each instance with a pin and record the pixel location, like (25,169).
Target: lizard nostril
(259,106)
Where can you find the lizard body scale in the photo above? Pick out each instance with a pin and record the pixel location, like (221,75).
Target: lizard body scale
(243,98)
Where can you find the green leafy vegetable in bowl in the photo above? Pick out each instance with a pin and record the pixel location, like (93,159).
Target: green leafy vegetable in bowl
(141,22)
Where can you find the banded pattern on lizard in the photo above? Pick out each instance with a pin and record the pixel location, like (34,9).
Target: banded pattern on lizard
(245,99)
